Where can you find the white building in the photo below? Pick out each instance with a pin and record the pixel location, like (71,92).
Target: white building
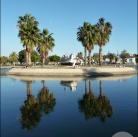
(131,60)
(70,60)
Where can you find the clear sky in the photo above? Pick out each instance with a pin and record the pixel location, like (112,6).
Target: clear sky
(63,17)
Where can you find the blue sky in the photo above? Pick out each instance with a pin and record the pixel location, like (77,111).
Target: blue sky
(63,17)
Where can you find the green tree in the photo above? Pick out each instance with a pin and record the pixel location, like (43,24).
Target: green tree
(103,35)
(96,57)
(3,60)
(21,56)
(91,39)
(87,34)
(13,58)
(82,38)
(136,58)
(124,54)
(29,34)
(111,56)
(80,55)
(54,58)
(46,44)
(34,56)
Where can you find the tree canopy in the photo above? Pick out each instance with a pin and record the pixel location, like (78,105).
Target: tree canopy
(54,58)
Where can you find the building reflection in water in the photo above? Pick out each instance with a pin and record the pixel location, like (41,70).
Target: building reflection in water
(71,84)
(93,106)
(34,107)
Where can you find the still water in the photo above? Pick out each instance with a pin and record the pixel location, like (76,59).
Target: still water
(68,107)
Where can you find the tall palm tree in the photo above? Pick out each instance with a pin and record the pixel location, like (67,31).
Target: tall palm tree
(46,44)
(81,36)
(29,34)
(104,32)
(91,39)
(87,35)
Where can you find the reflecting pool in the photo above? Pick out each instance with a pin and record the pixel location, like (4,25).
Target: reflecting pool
(68,107)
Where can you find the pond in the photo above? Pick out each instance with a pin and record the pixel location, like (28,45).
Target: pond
(68,107)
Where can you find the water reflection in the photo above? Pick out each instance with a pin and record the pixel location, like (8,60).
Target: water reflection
(34,107)
(104,106)
(30,110)
(46,110)
(93,106)
(46,99)
(71,84)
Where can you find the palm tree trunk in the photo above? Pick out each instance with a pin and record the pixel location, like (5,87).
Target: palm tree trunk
(85,86)
(101,88)
(14,64)
(43,82)
(89,85)
(26,56)
(29,58)
(29,88)
(100,55)
(123,60)
(85,56)
(43,61)
(42,58)
(90,58)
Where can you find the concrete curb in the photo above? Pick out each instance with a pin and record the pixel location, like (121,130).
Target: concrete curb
(93,71)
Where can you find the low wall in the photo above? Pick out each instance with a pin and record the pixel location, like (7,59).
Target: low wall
(91,71)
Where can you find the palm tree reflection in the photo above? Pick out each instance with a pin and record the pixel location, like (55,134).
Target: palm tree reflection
(46,100)
(33,107)
(104,106)
(93,106)
(30,110)
(87,104)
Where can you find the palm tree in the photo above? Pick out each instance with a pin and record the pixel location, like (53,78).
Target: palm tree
(81,36)
(13,58)
(87,35)
(91,39)
(46,44)
(29,34)
(104,31)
